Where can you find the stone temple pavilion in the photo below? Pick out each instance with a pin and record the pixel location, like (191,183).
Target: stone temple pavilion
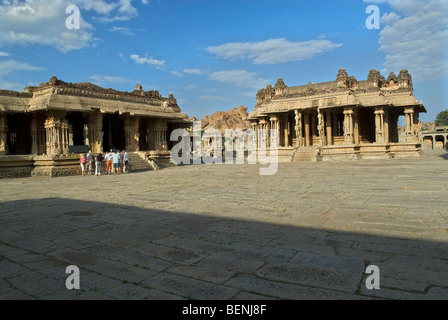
(345,119)
(43,129)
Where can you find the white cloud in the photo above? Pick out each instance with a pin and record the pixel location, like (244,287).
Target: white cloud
(7,85)
(124,12)
(240,78)
(145,2)
(122,30)
(272,51)
(9,66)
(179,74)
(109,11)
(42,22)
(194,71)
(414,36)
(4,54)
(101,80)
(148,60)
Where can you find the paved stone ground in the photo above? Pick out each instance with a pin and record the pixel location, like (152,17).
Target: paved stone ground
(225,232)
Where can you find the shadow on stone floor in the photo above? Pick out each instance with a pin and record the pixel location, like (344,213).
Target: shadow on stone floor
(126,252)
(444,156)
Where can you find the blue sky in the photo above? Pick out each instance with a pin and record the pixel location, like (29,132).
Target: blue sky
(214,55)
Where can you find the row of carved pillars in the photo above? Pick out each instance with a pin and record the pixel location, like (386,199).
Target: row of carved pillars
(50,133)
(155,135)
(325,125)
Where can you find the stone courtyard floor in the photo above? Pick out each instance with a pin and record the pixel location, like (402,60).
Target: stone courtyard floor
(225,232)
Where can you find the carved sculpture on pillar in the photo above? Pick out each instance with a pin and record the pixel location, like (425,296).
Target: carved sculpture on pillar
(3,135)
(321,128)
(298,128)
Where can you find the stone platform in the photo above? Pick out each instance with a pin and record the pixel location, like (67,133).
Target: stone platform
(225,232)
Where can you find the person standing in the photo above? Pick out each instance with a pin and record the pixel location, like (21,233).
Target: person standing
(98,164)
(90,163)
(116,162)
(83,161)
(126,162)
(120,160)
(108,158)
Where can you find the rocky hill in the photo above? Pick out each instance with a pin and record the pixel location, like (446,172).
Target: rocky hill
(231,119)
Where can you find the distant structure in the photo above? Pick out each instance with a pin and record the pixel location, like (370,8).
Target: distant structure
(43,129)
(341,119)
(435,139)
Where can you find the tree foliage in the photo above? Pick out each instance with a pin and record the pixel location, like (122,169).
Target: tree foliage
(442,118)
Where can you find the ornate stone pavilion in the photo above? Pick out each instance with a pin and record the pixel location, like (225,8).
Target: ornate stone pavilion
(341,119)
(43,129)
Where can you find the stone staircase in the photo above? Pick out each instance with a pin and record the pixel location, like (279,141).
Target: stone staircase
(138,161)
(307,154)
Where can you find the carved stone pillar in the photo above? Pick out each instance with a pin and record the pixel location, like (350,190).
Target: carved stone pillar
(386,126)
(128,133)
(157,133)
(313,117)
(356,134)
(136,132)
(268,134)
(254,126)
(53,129)
(3,135)
(298,128)
(150,134)
(34,134)
(163,135)
(379,125)
(95,132)
(275,127)
(329,128)
(286,131)
(262,134)
(409,125)
(321,128)
(348,126)
(307,130)
(64,136)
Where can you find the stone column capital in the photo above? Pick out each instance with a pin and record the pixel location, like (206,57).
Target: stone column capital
(379,111)
(409,110)
(349,111)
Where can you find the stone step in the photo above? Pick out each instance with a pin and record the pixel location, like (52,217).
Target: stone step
(306,154)
(138,163)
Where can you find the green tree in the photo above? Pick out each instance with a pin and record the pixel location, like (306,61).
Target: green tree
(442,118)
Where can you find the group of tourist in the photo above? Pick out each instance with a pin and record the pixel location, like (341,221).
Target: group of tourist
(116,162)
